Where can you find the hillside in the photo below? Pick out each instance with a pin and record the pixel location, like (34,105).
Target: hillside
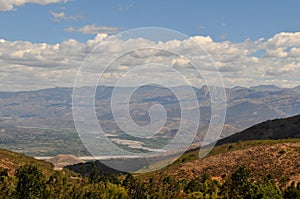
(278,158)
(271,129)
(88,166)
(260,141)
(273,166)
(264,149)
(12,161)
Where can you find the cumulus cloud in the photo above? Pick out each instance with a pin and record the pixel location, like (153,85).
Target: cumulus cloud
(93,29)
(26,65)
(294,52)
(284,39)
(8,5)
(282,44)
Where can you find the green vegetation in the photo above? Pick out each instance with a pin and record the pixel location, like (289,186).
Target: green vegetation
(24,177)
(29,182)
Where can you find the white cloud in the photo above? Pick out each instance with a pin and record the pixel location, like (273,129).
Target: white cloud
(124,7)
(294,52)
(8,5)
(277,52)
(26,65)
(284,40)
(58,16)
(93,29)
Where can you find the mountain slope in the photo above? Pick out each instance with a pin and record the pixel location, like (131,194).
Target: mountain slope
(280,159)
(263,149)
(271,129)
(12,161)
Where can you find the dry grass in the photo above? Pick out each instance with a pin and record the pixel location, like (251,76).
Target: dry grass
(12,161)
(279,158)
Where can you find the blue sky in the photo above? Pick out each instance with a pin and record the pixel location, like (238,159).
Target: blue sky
(222,20)
(44,42)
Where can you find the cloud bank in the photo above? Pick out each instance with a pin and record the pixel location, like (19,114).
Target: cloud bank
(28,66)
(8,5)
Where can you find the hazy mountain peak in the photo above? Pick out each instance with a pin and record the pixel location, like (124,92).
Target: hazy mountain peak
(270,87)
(297,88)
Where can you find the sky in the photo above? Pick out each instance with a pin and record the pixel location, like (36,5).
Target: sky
(43,43)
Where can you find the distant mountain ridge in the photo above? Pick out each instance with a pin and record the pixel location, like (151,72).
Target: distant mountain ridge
(266,88)
(35,113)
(53,107)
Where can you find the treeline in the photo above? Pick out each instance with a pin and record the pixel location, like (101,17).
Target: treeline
(29,182)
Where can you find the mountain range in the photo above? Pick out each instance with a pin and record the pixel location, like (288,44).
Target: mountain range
(46,115)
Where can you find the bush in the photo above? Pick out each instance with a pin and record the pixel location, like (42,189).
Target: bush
(30,182)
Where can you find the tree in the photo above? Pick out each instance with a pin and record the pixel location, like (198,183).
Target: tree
(292,191)
(7,184)
(3,174)
(266,190)
(135,189)
(95,174)
(193,186)
(240,184)
(30,182)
